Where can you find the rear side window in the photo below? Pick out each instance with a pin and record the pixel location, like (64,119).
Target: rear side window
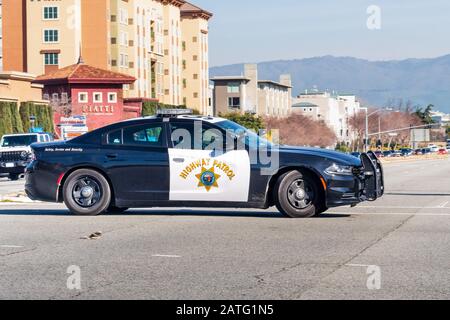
(150,135)
(115,138)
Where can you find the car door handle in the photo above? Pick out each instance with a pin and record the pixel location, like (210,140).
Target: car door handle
(112,156)
(178,160)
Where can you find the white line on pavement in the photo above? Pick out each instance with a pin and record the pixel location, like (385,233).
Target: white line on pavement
(443,205)
(10,247)
(358,265)
(391,214)
(165,256)
(402,207)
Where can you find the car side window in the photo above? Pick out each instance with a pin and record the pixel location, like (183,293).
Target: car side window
(150,135)
(115,137)
(183,135)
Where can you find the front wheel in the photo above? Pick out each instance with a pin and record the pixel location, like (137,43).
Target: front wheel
(297,195)
(87,193)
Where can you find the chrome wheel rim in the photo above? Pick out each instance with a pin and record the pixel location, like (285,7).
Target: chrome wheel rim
(86,192)
(300,194)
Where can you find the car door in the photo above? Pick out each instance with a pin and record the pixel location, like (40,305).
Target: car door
(201,172)
(138,163)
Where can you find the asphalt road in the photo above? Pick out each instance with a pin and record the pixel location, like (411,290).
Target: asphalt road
(239,254)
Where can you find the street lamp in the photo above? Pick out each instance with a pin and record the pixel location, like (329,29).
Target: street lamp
(366,144)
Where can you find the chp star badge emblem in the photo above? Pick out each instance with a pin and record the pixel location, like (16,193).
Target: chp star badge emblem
(208,179)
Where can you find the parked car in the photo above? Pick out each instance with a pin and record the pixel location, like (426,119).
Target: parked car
(154,162)
(356,154)
(379,154)
(433,148)
(442,151)
(426,151)
(387,154)
(418,152)
(406,152)
(15,152)
(396,153)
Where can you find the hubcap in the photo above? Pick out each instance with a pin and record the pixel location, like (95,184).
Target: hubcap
(300,194)
(86,192)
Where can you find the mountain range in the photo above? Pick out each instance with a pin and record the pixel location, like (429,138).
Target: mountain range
(376,83)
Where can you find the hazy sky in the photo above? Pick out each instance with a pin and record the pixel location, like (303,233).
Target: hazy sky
(262,30)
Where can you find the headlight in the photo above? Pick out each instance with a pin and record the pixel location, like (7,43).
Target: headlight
(24,155)
(339,170)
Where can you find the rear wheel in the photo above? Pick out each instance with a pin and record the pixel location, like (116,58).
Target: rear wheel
(87,193)
(297,195)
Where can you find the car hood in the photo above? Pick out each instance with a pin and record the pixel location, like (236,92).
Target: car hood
(339,157)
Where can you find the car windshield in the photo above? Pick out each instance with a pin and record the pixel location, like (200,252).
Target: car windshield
(18,141)
(251,138)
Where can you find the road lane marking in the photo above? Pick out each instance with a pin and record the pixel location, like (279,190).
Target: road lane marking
(10,247)
(359,265)
(398,207)
(390,213)
(443,205)
(165,256)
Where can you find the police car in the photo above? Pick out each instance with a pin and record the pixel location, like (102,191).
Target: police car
(176,159)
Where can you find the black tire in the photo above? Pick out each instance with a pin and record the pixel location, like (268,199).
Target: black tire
(116,210)
(14,176)
(87,193)
(297,195)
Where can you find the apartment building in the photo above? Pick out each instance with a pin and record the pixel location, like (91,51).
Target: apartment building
(335,110)
(1,36)
(151,40)
(247,93)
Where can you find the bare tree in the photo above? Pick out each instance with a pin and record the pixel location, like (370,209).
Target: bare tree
(298,130)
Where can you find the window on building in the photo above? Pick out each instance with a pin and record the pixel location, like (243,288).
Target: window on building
(82,97)
(195,95)
(124,60)
(51,59)
(64,98)
(234,102)
(51,35)
(98,97)
(195,76)
(112,97)
(233,87)
(50,13)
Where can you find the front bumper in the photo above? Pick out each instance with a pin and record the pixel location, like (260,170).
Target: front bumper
(367,184)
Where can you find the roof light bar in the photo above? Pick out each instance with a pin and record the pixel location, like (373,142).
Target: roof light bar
(174,112)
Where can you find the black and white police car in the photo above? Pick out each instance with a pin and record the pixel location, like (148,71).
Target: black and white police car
(176,159)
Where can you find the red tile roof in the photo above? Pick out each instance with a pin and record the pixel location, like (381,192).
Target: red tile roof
(83,73)
(189,9)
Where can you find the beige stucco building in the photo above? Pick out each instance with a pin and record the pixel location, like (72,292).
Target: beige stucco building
(18,87)
(159,42)
(247,93)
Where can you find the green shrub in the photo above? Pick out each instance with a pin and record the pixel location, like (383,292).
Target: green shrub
(247,120)
(43,114)
(6,121)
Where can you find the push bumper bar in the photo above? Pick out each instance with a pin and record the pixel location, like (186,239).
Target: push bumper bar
(374,176)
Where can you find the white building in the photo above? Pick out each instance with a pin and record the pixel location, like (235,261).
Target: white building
(442,118)
(335,110)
